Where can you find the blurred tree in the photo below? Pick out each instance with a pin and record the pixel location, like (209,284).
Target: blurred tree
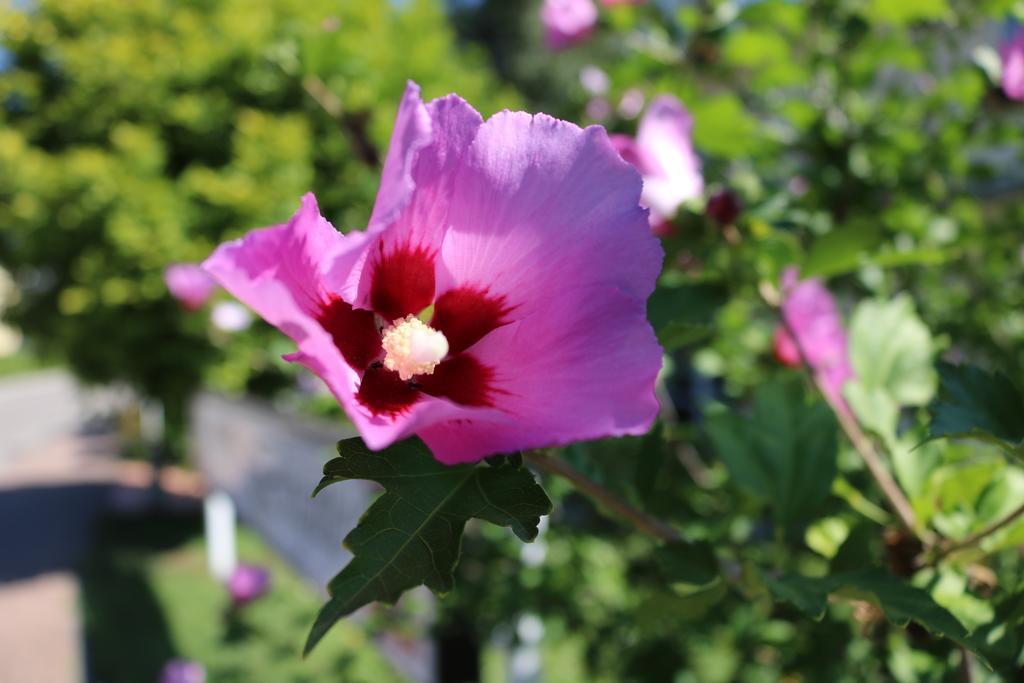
(137,134)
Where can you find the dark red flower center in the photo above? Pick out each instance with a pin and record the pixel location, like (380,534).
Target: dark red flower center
(402,284)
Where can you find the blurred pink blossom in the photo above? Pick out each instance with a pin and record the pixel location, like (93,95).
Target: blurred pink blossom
(182,671)
(798,185)
(811,314)
(567,22)
(189,284)
(663,153)
(594,80)
(525,236)
(247,583)
(598,109)
(230,316)
(632,103)
(1012,53)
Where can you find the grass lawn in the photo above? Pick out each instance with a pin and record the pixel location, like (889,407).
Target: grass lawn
(148,597)
(23,361)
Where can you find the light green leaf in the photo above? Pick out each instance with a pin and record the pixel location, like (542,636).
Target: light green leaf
(412,534)
(785,452)
(723,127)
(840,251)
(666,610)
(902,12)
(891,352)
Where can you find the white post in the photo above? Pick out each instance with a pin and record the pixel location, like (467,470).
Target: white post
(524,664)
(219,518)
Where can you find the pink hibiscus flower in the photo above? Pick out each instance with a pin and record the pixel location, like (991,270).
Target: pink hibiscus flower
(811,313)
(189,284)
(663,153)
(1012,53)
(567,22)
(524,235)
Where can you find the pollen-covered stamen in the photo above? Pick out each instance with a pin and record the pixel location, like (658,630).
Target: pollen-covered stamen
(412,347)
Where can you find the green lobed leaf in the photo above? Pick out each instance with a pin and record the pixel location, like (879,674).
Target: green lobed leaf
(900,601)
(412,534)
(784,452)
(891,352)
(974,403)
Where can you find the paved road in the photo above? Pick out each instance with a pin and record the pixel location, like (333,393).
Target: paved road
(37,407)
(46,520)
(53,484)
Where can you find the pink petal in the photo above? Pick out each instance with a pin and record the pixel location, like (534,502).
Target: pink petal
(785,349)
(411,133)
(353,330)
(812,315)
(671,168)
(1013,66)
(543,206)
(466,314)
(401,278)
(631,153)
(397,277)
(189,284)
(581,367)
(291,275)
(297,258)
(627,148)
(462,379)
(567,22)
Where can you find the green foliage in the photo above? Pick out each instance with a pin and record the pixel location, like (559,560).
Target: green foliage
(692,564)
(870,145)
(682,314)
(978,404)
(784,452)
(900,602)
(148,578)
(891,352)
(133,135)
(412,534)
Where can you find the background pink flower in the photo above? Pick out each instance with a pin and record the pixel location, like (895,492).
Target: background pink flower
(525,235)
(663,153)
(1012,53)
(189,284)
(183,671)
(567,22)
(247,583)
(812,315)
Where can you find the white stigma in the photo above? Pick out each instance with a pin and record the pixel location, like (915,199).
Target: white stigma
(412,347)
